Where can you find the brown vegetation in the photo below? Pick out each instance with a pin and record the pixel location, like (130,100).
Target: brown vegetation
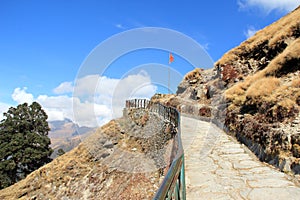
(193,75)
(115,162)
(279,34)
(263,109)
(262,88)
(255,92)
(286,62)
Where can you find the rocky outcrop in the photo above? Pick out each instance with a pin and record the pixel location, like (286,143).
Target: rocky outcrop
(263,107)
(253,93)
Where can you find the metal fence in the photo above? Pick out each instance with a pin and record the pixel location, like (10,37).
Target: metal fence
(173,185)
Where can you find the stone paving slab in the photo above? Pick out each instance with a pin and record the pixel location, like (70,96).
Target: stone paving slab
(219,167)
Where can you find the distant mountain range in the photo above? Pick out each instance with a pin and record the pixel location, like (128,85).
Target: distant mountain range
(66,135)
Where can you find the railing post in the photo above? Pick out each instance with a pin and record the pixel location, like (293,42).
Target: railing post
(177,190)
(182,180)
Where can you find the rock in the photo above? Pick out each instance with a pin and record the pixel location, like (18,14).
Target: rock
(296,122)
(108,144)
(104,155)
(296,150)
(193,81)
(298,100)
(228,73)
(33,197)
(296,168)
(182,87)
(102,140)
(70,167)
(188,94)
(193,94)
(285,165)
(211,90)
(205,111)
(200,92)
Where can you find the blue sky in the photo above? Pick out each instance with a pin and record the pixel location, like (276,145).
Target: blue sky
(44,43)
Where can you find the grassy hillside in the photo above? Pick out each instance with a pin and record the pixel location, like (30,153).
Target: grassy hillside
(254,93)
(114,162)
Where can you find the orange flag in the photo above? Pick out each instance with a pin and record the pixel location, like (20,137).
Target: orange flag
(171,58)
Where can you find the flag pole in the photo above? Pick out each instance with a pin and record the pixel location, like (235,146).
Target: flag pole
(169,78)
(171,59)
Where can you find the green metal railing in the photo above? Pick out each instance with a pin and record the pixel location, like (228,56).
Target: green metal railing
(173,185)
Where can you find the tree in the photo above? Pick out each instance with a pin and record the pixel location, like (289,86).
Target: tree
(60,152)
(24,142)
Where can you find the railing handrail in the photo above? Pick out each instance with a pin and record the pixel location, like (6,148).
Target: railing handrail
(173,185)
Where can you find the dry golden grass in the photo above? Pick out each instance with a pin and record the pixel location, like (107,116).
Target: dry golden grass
(241,87)
(237,93)
(279,31)
(290,90)
(286,103)
(296,83)
(77,173)
(263,87)
(51,174)
(194,74)
(259,90)
(162,98)
(291,52)
(268,89)
(232,92)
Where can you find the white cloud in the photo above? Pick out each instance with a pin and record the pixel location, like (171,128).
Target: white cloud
(57,107)
(3,108)
(54,114)
(21,96)
(119,26)
(98,98)
(270,5)
(132,86)
(90,113)
(65,87)
(86,85)
(250,32)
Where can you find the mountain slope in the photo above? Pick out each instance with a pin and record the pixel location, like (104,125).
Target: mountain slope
(253,92)
(264,105)
(114,162)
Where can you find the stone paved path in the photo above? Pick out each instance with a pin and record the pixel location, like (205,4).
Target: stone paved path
(218,167)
